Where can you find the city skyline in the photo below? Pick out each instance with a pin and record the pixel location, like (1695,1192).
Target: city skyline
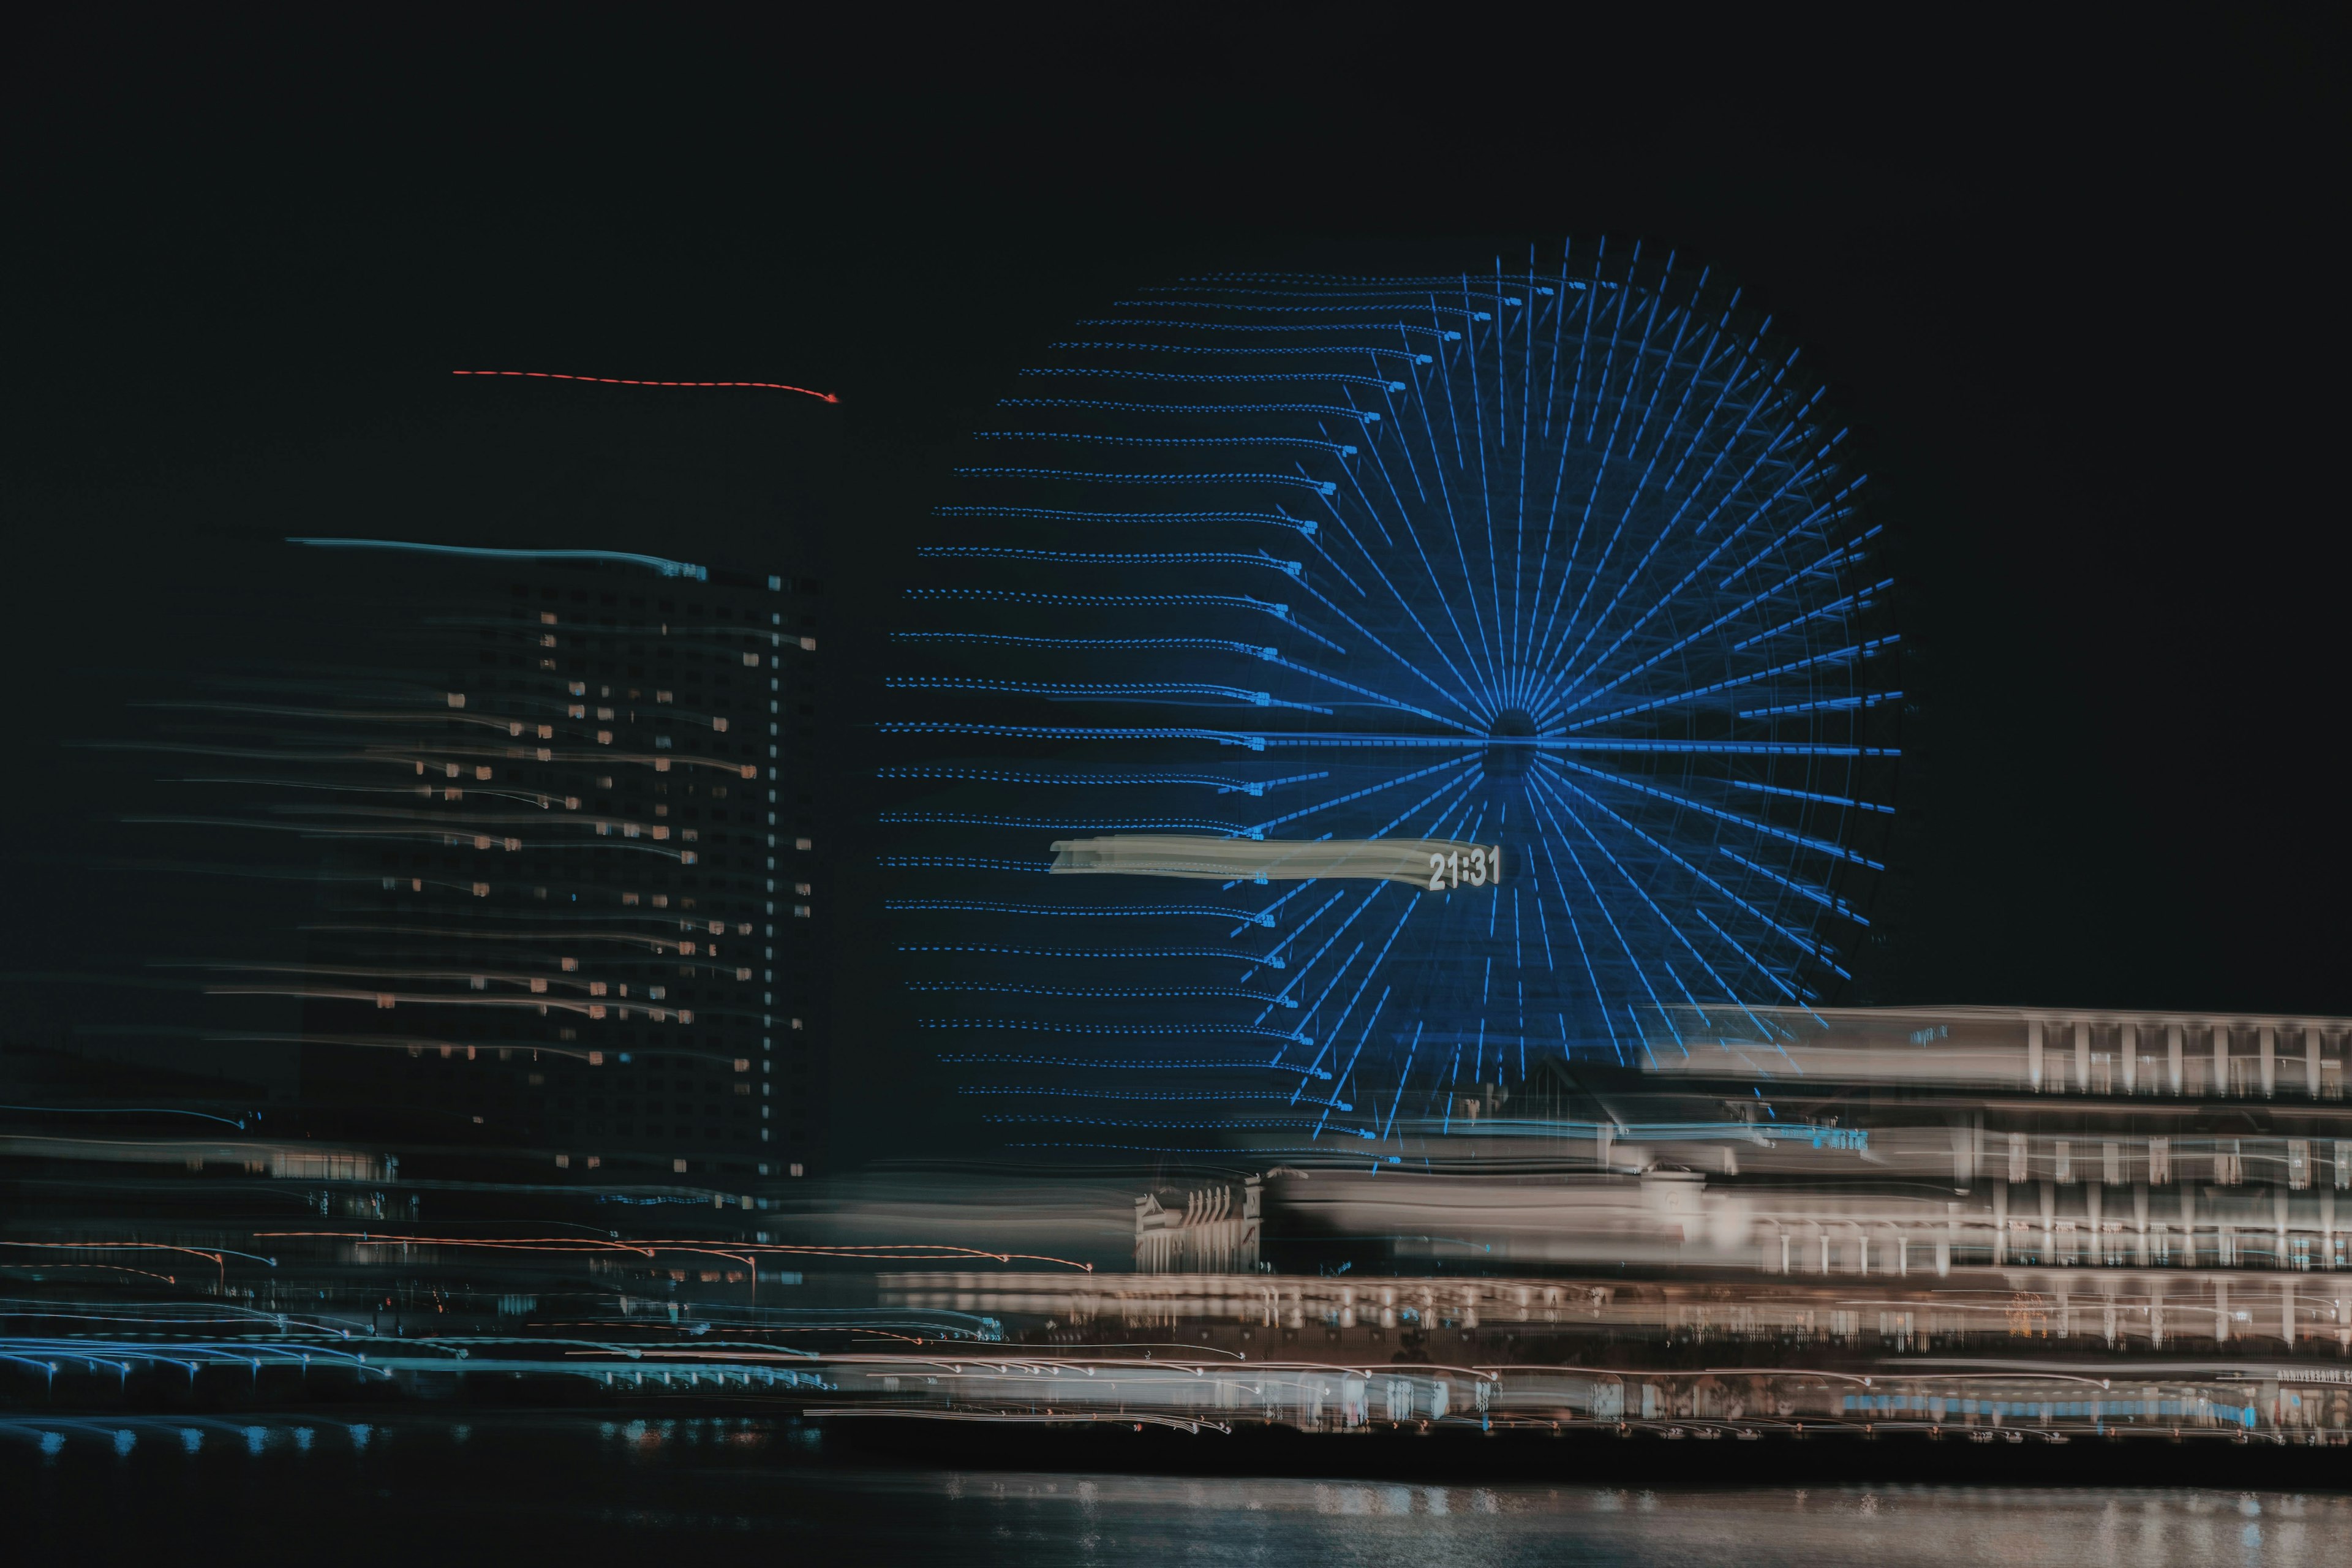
(785,787)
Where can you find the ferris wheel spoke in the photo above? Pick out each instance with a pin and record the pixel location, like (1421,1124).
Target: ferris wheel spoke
(1364,794)
(1852,653)
(1444,488)
(1666,535)
(1337,1027)
(1836,555)
(1753,824)
(1404,522)
(1479,445)
(1600,906)
(1764,918)
(1577,574)
(1466,700)
(1689,578)
(1642,891)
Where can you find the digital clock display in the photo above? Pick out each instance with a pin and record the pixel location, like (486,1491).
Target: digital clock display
(1479,865)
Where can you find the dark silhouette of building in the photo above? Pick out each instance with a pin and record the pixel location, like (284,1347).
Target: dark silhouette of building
(569,905)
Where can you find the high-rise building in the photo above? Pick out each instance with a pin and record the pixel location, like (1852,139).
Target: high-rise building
(569,910)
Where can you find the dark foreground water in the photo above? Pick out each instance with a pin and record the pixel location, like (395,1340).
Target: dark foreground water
(303,1490)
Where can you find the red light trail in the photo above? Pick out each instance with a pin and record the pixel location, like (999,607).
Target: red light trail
(632,381)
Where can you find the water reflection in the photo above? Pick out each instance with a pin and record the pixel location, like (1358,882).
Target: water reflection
(607,1490)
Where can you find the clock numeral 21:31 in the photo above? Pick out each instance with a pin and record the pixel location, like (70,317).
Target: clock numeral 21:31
(1446,871)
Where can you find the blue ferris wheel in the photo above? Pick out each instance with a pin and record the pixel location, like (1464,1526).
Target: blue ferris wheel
(1438,676)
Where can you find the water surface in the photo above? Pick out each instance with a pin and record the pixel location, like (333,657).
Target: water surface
(583,1489)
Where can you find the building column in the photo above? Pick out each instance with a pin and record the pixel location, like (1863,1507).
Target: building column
(2127,1041)
(2034,1053)
(2268,1036)
(2172,1054)
(2082,1058)
(2220,1059)
(2311,1062)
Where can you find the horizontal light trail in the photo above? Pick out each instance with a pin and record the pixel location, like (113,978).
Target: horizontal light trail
(631,380)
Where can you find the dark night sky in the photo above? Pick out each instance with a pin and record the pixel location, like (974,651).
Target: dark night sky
(2069,290)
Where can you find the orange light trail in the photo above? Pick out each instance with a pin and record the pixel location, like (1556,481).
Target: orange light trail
(213,1257)
(632,381)
(119,1268)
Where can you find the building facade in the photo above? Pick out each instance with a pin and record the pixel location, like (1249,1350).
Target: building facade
(569,906)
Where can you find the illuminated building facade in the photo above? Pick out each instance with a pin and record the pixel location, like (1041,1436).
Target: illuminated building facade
(570,909)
